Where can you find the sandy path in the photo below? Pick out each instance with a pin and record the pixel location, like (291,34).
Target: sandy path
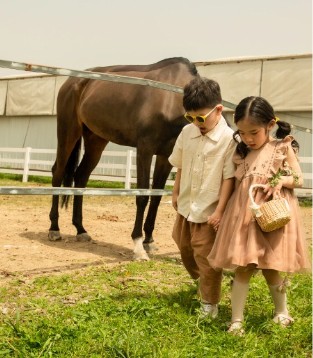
(24,247)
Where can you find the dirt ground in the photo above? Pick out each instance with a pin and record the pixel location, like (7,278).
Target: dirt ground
(25,248)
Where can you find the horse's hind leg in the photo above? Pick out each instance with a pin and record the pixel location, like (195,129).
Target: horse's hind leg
(161,171)
(94,147)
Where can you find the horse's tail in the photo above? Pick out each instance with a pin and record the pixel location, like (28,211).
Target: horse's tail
(70,169)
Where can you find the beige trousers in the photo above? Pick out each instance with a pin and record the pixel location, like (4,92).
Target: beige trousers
(195,242)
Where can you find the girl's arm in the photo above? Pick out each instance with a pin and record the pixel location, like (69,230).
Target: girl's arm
(291,181)
(227,188)
(295,180)
(226,191)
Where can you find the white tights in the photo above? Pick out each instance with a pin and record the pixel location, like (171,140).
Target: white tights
(240,290)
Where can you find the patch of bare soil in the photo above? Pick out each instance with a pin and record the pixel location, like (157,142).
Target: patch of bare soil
(25,248)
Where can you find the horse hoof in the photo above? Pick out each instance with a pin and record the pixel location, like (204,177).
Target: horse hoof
(84,237)
(141,256)
(140,253)
(54,235)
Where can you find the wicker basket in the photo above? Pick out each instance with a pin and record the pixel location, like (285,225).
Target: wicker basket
(271,215)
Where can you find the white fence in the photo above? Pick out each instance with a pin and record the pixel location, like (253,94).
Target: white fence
(115,166)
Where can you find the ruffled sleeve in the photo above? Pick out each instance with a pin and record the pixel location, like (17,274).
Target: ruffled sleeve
(279,160)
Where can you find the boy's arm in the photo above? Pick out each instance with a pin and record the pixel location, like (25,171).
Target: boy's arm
(227,188)
(176,189)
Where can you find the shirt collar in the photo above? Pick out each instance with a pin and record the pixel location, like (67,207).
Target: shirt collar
(214,134)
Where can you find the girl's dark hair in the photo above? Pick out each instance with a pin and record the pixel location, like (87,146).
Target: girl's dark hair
(201,93)
(261,113)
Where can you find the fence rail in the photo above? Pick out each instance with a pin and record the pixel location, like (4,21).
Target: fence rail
(22,161)
(15,190)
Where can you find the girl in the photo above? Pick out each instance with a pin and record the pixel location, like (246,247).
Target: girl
(240,244)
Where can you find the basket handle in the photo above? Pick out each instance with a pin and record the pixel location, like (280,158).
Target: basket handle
(254,205)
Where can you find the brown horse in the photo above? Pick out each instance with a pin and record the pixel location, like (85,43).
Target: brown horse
(149,119)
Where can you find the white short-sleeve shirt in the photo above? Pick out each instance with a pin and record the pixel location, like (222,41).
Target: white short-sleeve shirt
(205,161)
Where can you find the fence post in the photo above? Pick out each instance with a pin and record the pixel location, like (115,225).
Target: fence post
(129,156)
(26,164)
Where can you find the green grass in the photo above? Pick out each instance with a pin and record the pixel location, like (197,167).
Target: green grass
(16,179)
(306,202)
(145,309)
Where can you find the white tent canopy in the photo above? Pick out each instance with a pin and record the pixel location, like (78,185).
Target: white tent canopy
(286,82)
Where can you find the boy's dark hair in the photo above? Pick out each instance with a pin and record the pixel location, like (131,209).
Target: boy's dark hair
(259,110)
(201,93)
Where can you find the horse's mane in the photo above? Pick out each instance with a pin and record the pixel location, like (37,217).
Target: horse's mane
(173,60)
(146,68)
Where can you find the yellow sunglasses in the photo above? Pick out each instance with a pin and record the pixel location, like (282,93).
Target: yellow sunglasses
(200,119)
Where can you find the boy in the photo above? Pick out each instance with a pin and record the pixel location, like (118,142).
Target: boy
(204,182)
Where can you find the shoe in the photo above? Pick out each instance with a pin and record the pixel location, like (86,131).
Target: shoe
(207,310)
(236,328)
(283,319)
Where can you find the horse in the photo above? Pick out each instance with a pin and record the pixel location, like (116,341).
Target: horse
(149,119)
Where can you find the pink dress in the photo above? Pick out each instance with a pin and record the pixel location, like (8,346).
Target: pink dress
(240,242)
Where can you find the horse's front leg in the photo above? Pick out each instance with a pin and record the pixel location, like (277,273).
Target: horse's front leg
(144,160)
(161,171)
(139,251)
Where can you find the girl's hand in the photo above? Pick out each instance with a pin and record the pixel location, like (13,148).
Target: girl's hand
(214,220)
(273,191)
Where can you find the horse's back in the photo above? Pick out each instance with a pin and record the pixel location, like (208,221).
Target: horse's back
(164,69)
(174,71)
(123,113)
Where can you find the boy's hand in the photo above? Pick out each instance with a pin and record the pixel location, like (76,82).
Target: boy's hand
(214,220)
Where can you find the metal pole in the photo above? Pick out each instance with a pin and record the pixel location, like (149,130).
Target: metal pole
(21,66)
(16,190)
